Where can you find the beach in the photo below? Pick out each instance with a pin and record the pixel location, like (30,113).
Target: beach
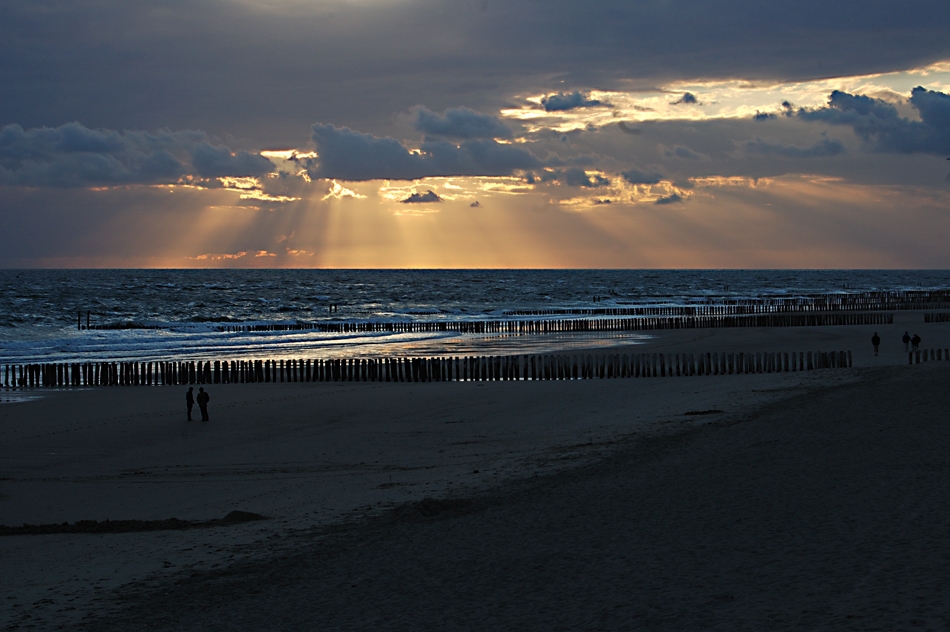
(740,501)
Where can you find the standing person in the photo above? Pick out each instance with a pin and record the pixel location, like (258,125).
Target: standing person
(915,342)
(876,341)
(203,399)
(190,401)
(906,340)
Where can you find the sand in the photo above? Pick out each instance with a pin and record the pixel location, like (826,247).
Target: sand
(583,505)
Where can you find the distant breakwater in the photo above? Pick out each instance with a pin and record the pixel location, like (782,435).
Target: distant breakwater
(834,302)
(812,309)
(422,369)
(554,325)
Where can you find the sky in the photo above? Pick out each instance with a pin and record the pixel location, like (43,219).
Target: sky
(474,134)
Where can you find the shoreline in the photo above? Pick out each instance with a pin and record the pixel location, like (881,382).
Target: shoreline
(446,344)
(705,340)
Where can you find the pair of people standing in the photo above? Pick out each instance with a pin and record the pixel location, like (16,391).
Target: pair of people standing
(911,344)
(202,399)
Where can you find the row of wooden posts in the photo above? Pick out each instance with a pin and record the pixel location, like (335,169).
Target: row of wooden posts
(521,327)
(927,355)
(432,369)
(864,301)
(940,317)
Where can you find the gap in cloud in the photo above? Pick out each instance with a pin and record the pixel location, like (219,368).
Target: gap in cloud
(717,99)
(617,193)
(466,190)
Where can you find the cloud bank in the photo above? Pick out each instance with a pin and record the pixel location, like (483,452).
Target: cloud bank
(637,176)
(561,102)
(880,125)
(460,123)
(824,147)
(345,154)
(261,70)
(75,156)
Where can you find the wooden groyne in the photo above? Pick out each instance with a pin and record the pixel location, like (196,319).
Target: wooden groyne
(424,369)
(927,355)
(524,327)
(717,312)
(721,306)
(941,317)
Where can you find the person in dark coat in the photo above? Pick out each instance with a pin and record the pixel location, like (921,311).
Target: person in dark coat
(876,341)
(906,340)
(203,399)
(190,401)
(915,342)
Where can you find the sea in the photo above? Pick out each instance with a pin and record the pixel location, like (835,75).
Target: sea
(154,315)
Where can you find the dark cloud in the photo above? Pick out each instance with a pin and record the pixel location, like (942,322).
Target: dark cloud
(75,156)
(635,131)
(576,177)
(475,204)
(824,147)
(568,101)
(880,125)
(544,176)
(216,161)
(601,201)
(685,153)
(688,98)
(672,198)
(460,123)
(349,155)
(636,176)
(260,71)
(422,198)
(763,116)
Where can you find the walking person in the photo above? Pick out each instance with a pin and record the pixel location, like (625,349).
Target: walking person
(203,399)
(906,340)
(876,341)
(190,401)
(915,342)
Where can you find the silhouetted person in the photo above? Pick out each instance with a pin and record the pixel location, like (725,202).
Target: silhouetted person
(876,341)
(190,401)
(915,342)
(906,340)
(203,400)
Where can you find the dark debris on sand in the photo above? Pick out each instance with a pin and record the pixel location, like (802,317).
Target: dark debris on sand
(130,526)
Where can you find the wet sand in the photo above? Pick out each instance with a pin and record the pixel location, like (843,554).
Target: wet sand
(581,505)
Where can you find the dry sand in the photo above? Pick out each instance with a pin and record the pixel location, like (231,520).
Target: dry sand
(580,505)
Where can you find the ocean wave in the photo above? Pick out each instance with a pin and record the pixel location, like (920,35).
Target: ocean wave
(161,313)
